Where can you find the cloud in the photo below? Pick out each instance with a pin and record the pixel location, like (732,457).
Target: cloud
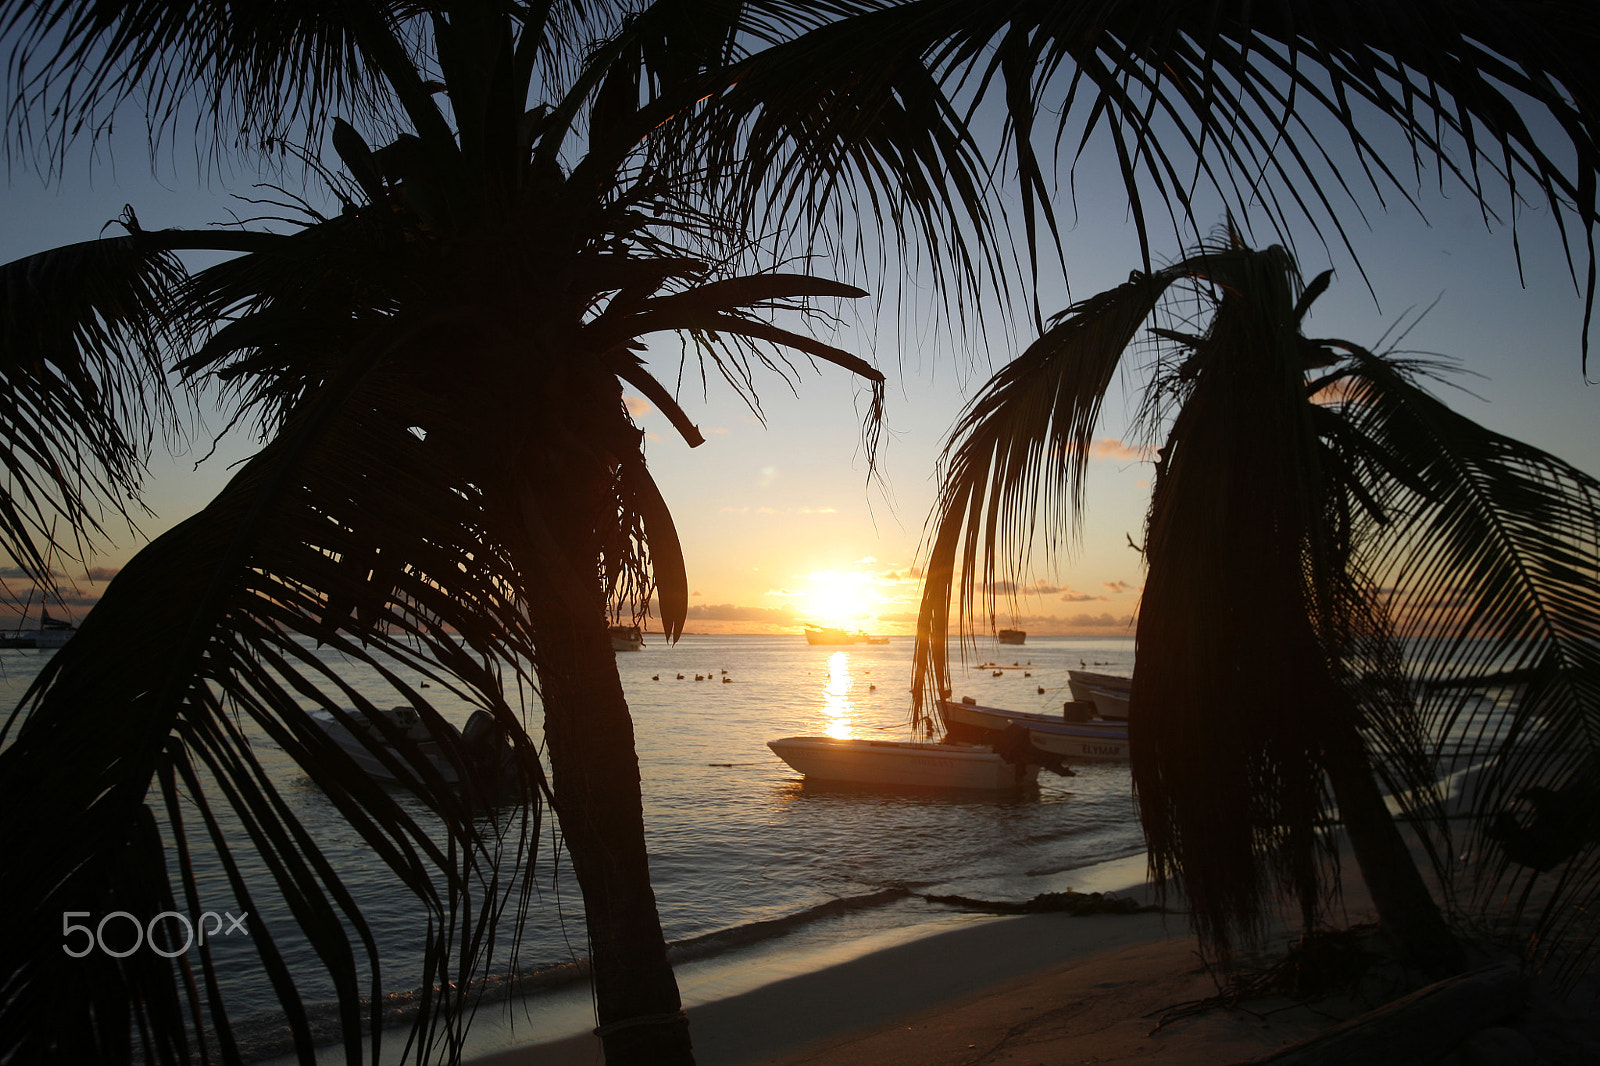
(1111,448)
(1099,621)
(637,406)
(1074,596)
(1118,587)
(1040,587)
(728,612)
(715,431)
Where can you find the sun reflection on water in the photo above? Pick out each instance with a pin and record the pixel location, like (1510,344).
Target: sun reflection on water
(836,705)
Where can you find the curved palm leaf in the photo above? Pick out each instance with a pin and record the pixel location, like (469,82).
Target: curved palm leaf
(1019,449)
(81,336)
(199,629)
(1278,109)
(1491,547)
(257,78)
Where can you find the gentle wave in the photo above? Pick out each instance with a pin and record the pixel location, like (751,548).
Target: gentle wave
(267,1035)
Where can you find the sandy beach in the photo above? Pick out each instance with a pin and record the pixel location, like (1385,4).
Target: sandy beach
(1061,990)
(1041,988)
(1033,989)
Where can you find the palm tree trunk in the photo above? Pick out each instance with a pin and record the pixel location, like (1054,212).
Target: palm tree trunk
(1406,909)
(595,778)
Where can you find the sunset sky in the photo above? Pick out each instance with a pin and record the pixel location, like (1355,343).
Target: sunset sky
(781,523)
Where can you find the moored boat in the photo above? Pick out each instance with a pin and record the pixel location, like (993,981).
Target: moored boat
(626,638)
(1108,692)
(481,748)
(918,764)
(1094,740)
(1076,744)
(825,635)
(52,633)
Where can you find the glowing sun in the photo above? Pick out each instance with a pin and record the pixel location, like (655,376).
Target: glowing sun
(838,599)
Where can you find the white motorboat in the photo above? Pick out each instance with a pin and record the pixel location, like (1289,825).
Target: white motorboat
(1094,740)
(481,748)
(1075,744)
(1108,692)
(904,763)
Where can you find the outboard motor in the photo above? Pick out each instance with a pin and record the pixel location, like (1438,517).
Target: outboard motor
(1078,710)
(490,754)
(1016,748)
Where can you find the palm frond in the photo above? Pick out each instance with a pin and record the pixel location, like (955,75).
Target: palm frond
(1020,449)
(195,644)
(1260,94)
(1228,758)
(73,66)
(843,131)
(81,344)
(1492,550)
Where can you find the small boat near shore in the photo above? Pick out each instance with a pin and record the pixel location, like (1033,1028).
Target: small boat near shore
(481,748)
(915,764)
(1108,692)
(1075,739)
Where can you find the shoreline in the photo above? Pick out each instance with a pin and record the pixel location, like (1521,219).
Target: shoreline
(506,1028)
(778,996)
(817,1014)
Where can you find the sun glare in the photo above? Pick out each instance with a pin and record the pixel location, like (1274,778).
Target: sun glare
(837,599)
(836,706)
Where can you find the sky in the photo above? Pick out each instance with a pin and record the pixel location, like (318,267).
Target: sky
(781,522)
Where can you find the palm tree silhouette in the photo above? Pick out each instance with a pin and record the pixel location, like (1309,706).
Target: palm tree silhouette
(449,479)
(1312,508)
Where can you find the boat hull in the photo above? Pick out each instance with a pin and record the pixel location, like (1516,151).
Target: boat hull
(823,635)
(1076,742)
(1108,692)
(1081,746)
(626,638)
(906,764)
(361,752)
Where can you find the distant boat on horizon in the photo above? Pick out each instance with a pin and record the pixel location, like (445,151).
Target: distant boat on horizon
(1012,636)
(827,635)
(626,638)
(52,633)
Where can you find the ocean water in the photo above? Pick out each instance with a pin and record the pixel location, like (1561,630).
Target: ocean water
(742,851)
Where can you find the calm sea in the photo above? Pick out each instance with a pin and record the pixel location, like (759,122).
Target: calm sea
(739,845)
